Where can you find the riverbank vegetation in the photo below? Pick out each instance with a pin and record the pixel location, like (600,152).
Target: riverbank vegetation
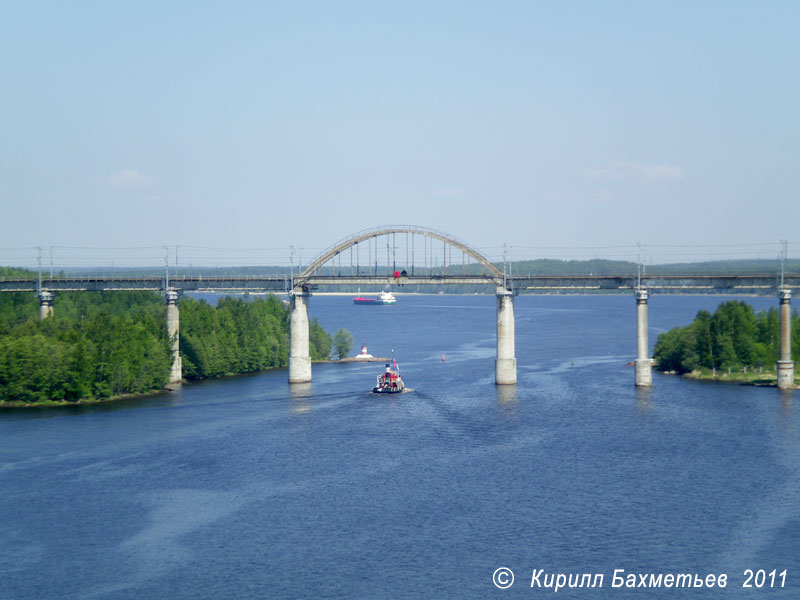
(103,345)
(95,347)
(732,343)
(342,343)
(237,336)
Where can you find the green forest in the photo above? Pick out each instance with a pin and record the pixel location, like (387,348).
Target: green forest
(237,336)
(734,337)
(107,344)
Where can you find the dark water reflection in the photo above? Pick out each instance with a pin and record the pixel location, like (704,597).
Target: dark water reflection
(250,488)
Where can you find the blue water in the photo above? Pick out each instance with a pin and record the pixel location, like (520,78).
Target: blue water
(249,488)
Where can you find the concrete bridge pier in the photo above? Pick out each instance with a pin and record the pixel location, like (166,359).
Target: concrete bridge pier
(506,363)
(45,305)
(786,364)
(173,332)
(299,357)
(644,366)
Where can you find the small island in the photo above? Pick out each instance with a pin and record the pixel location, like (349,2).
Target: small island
(734,344)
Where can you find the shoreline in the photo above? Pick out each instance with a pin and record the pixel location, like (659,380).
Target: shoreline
(354,359)
(751,379)
(86,402)
(170,387)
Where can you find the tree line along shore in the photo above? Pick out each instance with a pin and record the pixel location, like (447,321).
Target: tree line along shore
(734,344)
(106,345)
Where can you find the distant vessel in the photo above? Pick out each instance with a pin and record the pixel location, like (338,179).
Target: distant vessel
(383,298)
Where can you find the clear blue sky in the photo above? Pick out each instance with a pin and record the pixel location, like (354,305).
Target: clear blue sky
(265,124)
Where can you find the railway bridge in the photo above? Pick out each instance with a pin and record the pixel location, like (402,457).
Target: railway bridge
(424,257)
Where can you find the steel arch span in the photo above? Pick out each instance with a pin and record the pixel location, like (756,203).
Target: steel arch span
(367,234)
(299,355)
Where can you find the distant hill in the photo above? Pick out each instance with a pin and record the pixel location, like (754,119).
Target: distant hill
(15,272)
(549,266)
(727,267)
(621,267)
(543,266)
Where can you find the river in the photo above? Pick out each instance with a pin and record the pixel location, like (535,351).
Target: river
(247,487)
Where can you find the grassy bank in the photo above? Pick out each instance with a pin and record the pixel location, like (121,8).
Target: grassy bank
(749,377)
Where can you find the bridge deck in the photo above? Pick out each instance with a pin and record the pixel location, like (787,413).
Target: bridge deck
(522,283)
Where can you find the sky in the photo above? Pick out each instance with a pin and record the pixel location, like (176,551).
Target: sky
(537,124)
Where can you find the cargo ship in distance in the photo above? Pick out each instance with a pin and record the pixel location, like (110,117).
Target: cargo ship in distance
(383,298)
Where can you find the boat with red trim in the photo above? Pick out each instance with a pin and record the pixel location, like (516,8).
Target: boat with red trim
(390,381)
(383,298)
